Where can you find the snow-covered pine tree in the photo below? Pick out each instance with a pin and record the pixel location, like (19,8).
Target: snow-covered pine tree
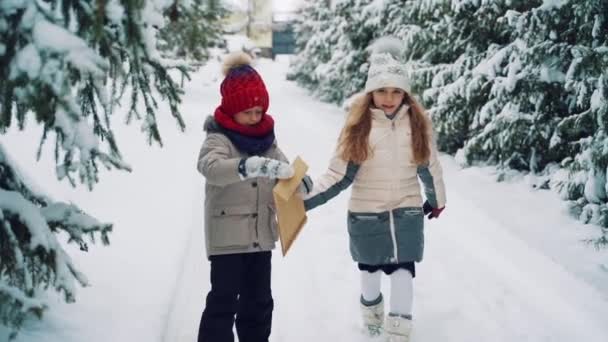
(514,126)
(193,27)
(314,40)
(461,74)
(583,130)
(332,61)
(31,257)
(588,171)
(66,65)
(548,102)
(421,25)
(343,75)
(57,59)
(338,62)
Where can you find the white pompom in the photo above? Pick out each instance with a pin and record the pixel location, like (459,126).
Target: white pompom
(389,44)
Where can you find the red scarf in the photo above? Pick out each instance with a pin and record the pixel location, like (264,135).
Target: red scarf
(260,129)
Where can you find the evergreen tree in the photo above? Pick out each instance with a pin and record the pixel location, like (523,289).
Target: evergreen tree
(31,256)
(339,61)
(67,64)
(422,26)
(332,61)
(314,40)
(461,75)
(193,27)
(343,75)
(552,102)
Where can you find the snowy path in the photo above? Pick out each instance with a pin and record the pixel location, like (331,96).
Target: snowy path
(502,264)
(491,270)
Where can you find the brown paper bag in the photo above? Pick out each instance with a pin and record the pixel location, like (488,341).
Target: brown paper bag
(290,207)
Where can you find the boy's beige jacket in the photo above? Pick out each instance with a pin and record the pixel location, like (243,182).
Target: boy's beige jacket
(239,214)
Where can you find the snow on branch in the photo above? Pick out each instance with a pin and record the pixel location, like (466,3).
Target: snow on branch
(70,66)
(31,257)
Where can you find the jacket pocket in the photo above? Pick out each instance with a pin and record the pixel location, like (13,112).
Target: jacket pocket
(409,233)
(370,238)
(232,227)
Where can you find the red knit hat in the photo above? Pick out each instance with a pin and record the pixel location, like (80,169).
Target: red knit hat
(242,87)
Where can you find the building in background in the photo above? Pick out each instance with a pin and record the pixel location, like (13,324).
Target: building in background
(283,37)
(251,18)
(269,31)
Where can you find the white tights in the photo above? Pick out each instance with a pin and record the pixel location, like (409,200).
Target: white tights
(402,290)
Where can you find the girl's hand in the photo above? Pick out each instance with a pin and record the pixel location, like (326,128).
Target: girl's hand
(427,208)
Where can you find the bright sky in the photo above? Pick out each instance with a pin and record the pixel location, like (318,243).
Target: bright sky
(285,5)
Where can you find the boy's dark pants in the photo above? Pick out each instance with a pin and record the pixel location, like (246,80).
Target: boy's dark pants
(240,284)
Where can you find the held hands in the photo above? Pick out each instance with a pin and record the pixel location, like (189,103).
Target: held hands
(255,166)
(305,185)
(433,212)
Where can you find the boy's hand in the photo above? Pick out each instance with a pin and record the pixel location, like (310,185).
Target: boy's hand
(255,166)
(427,208)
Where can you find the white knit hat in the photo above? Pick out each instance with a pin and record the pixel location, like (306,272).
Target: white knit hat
(386,69)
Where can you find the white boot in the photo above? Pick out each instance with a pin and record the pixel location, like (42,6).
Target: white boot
(398,328)
(373,317)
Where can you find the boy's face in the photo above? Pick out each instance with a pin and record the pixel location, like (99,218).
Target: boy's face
(388,99)
(249,117)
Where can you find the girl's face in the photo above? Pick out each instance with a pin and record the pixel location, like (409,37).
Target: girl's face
(249,117)
(388,99)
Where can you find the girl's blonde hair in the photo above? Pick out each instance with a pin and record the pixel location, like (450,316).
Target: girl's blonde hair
(353,143)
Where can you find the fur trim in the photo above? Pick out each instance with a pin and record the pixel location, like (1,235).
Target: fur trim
(210,126)
(389,44)
(234,60)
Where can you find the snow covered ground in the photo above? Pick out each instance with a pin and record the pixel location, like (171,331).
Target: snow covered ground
(504,262)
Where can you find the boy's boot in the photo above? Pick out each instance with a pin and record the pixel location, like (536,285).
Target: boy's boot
(398,328)
(373,316)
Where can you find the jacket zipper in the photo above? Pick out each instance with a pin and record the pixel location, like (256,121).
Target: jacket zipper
(393,236)
(256,243)
(391,217)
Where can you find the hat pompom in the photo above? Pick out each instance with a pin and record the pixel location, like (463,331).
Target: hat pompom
(389,44)
(234,60)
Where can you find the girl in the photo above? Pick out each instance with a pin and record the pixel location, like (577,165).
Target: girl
(241,161)
(385,148)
